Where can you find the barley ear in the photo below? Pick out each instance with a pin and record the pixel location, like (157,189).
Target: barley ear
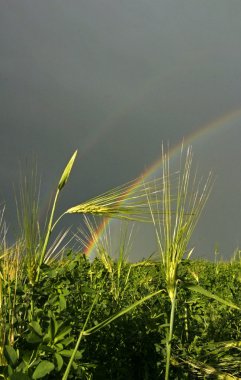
(66,172)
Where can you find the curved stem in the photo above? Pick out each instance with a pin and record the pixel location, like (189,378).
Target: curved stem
(57,221)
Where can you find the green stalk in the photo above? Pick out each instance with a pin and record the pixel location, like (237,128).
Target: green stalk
(170,335)
(82,333)
(49,230)
(61,184)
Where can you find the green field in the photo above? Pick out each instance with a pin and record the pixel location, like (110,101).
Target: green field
(63,316)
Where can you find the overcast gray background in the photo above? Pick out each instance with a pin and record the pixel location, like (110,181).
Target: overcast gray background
(114,79)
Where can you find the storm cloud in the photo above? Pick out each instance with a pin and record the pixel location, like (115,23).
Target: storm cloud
(114,79)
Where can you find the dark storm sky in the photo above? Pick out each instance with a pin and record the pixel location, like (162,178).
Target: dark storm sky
(114,79)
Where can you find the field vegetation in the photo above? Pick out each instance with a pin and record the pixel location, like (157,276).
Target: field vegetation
(63,316)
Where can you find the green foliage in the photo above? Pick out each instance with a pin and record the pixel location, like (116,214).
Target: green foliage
(110,319)
(206,332)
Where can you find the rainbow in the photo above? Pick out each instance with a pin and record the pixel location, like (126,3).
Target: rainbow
(202,132)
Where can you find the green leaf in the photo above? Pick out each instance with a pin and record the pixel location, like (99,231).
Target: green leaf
(62,333)
(43,369)
(201,290)
(54,299)
(62,302)
(11,356)
(59,346)
(67,341)
(59,361)
(36,327)
(68,353)
(51,330)
(66,172)
(58,324)
(46,338)
(10,370)
(33,338)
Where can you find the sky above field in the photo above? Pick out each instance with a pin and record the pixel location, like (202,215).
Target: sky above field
(115,79)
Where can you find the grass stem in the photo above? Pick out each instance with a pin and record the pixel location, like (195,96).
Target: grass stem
(170,335)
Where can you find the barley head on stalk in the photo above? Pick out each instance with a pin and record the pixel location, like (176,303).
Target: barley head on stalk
(182,207)
(126,202)
(181,210)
